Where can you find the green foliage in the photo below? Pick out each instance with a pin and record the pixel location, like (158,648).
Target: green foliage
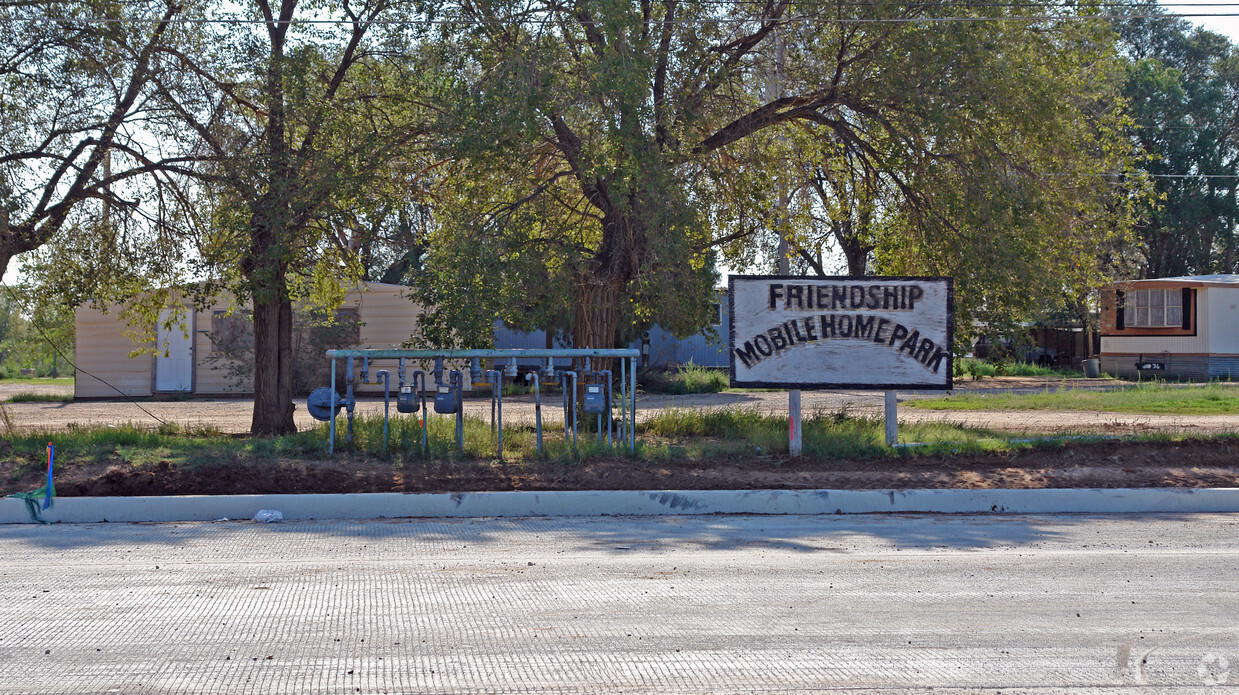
(824,434)
(978,369)
(40,398)
(1181,87)
(637,144)
(671,434)
(1022,197)
(34,335)
(685,379)
(75,101)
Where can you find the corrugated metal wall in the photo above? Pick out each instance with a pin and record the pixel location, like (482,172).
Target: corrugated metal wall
(704,349)
(1177,366)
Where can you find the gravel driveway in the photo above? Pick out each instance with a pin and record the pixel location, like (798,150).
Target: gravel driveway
(233,415)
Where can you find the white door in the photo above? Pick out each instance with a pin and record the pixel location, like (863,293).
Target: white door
(174,369)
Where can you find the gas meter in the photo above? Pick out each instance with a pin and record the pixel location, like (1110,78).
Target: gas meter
(406,400)
(324,403)
(447,400)
(595,399)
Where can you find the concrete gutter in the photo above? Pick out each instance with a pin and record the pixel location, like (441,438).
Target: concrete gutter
(632,502)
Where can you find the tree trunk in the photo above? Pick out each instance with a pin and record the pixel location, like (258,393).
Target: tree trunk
(597,315)
(273,367)
(855,251)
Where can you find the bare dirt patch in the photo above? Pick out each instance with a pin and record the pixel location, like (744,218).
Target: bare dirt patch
(1108,464)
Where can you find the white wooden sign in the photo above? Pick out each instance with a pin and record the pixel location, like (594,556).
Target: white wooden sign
(873,333)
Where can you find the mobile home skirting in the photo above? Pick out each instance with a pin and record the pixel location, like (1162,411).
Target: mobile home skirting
(1178,366)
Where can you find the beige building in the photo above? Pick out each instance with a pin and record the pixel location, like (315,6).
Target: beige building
(1178,327)
(193,362)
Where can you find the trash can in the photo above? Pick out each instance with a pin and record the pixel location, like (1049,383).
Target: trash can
(1092,368)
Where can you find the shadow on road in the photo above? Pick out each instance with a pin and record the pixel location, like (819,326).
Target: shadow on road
(608,535)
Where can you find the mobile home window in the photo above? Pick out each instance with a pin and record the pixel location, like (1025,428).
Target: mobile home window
(1155,308)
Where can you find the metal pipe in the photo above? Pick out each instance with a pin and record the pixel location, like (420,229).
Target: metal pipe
(598,419)
(523,353)
(623,405)
(349,401)
(457,382)
(416,374)
(401,372)
(365,370)
(331,438)
(606,381)
(537,408)
(632,393)
(628,385)
(490,375)
(386,403)
(495,377)
(570,379)
(564,389)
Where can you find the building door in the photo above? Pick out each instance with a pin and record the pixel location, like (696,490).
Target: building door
(174,369)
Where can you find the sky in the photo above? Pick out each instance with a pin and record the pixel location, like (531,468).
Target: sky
(1227,26)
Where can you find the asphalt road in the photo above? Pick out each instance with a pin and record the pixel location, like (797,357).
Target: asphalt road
(1008,604)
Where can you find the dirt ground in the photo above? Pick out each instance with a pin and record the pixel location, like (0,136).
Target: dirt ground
(1116,463)
(1108,464)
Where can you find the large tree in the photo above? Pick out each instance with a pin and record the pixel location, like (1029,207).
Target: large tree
(611,149)
(74,90)
(303,130)
(1183,85)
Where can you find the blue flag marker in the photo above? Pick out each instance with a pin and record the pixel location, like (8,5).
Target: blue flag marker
(47,496)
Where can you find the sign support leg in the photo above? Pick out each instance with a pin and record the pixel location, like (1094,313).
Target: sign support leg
(795,440)
(892,419)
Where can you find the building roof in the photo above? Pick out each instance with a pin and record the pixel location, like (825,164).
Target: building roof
(1190,280)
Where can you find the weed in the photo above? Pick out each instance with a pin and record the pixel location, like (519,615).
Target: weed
(685,379)
(39,398)
(825,434)
(978,369)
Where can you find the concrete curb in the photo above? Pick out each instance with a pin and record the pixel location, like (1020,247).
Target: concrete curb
(632,502)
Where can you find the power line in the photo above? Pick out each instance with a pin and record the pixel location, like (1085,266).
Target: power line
(1178,176)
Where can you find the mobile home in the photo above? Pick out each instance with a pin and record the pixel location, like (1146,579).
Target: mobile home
(193,363)
(1177,327)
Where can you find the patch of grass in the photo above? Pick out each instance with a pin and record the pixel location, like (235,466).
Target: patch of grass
(698,433)
(1146,398)
(685,379)
(39,381)
(1029,369)
(40,398)
(405,440)
(979,369)
(672,435)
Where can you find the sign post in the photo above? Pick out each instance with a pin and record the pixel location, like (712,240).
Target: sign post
(861,333)
(892,419)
